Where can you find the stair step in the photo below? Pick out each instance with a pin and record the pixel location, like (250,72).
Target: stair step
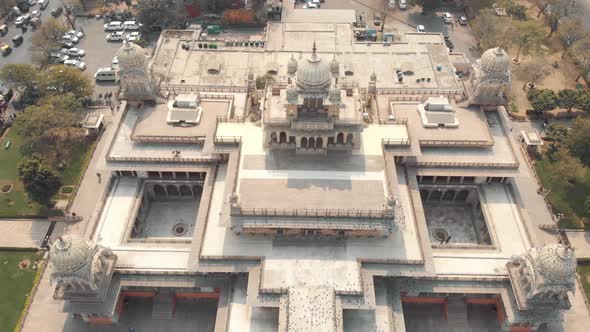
(163,306)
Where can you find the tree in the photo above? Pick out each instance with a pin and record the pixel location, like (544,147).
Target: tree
(583,99)
(534,70)
(587,205)
(61,79)
(158,13)
(541,5)
(23,77)
(517,11)
(542,99)
(558,9)
(567,99)
(426,5)
(528,36)
(556,132)
(571,31)
(46,39)
(490,30)
(581,54)
(566,167)
(578,140)
(41,182)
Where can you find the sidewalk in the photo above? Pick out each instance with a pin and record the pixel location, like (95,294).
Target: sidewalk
(580,241)
(22,233)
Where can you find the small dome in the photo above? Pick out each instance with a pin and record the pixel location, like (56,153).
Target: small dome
(292,66)
(334,66)
(313,73)
(130,55)
(292,93)
(250,76)
(373,77)
(495,60)
(69,253)
(557,262)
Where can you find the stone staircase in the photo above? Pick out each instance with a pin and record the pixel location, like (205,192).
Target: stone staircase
(163,306)
(457,314)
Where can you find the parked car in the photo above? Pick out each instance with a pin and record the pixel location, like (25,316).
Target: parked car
(75,63)
(131,25)
(134,36)
(58,57)
(105,74)
(311,5)
(113,26)
(403,4)
(5,49)
(462,20)
(76,33)
(66,44)
(447,18)
(115,36)
(70,38)
(22,20)
(35,22)
(74,52)
(17,40)
(420,28)
(31,3)
(56,12)
(3,29)
(43,4)
(36,13)
(377,21)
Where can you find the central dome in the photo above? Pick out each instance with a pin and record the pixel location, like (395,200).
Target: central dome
(495,60)
(69,253)
(557,261)
(313,74)
(130,55)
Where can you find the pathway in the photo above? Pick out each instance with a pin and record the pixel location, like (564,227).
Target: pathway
(23,233)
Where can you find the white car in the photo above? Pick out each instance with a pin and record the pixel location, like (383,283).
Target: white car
(75,33)
(75,63)
(72,39)
(420,28)
(447,18)
(115,36)
(115,62)
(43,4)
(113,26)
(134,36)
(403,4)
(20,21)
(36,13)
(311,5)
(76,52)
(131,25)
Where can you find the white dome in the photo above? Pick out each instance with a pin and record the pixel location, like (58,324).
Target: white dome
(292,66)
(130,55)
(557,262)
(334,94)
(313,73)
(69,253)
(292,94)
(495,60)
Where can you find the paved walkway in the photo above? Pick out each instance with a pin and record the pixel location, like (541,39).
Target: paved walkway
(22,233)
(580,240)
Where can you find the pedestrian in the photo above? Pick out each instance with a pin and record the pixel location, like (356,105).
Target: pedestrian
(98,176)
(448,239)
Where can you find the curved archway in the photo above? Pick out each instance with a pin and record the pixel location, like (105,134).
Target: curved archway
(159,191)
(283,137)
(319,142)
(185,191)
(311,143)
(304,142)
(449,195)
(340,138)
(172,190)
(349,139)
(273,137)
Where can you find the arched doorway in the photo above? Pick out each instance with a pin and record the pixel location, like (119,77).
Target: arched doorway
(304,142)
(185,191)
(283,137)
(319,142)
(273,137)
(340,138)
(349,139)
(172,190)
(159,191)
(311,143)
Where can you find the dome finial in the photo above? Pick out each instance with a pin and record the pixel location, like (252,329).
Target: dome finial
(314,48)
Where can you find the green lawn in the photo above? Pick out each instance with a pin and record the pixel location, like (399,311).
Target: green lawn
(584,271)
(566,199)
(16,285)
(81,151)
(16,203)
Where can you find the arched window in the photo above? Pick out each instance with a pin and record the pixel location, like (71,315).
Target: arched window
(197,191)
(273,137)
(185,191)
(159,191)
(349,139)
(311,143)
(449,195)
(319,142)
(304,142)
(172,190)
(283,137)
(340,138)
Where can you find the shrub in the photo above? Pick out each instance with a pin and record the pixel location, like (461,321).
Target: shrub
(542,100)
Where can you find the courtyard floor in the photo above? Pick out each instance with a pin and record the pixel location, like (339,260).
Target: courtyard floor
(457,219)
(163,215)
